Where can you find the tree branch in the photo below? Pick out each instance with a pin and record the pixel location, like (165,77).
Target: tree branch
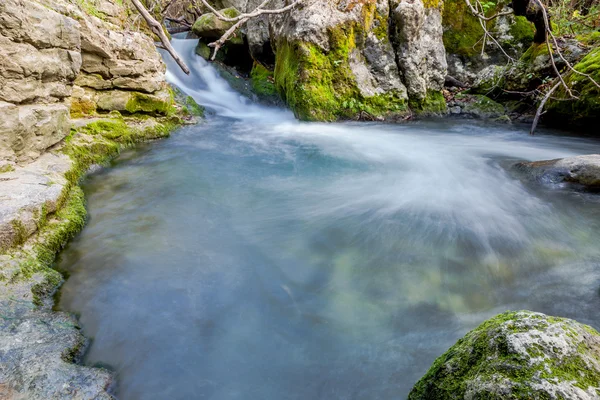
(540,109)
(242,19)
(156,28)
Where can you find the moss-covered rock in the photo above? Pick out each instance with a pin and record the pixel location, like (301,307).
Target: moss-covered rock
(479,106)
(586,108)
(517,355)
(211,27)
(344,71)
(263,84)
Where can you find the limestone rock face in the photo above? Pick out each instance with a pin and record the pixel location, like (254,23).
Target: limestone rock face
(334,60)
(419,47)
(26,131)
(518,355)
(583,170)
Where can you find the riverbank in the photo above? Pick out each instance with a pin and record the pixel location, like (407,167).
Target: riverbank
(39,347)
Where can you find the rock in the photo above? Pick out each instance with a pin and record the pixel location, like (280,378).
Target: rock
(334,60)
(582,170)
(585,110)
(211,27)
(159,103)
(26,131)
(479,106)
(29,74)
(517,355)
(29,194)
(25,21)
(420,51)
(463,34)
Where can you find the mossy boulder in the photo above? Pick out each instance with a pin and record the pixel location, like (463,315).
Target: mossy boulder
(463,38)
(211,27)
(479,106)
(517,355)
(586,108)
(342,68)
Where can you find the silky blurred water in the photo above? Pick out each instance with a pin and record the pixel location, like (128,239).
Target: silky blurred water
(256,257)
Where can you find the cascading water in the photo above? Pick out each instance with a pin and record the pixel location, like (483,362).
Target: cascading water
(254,256)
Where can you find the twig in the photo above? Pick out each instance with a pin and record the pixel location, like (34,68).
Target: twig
(540,109)
(156,28)
(241,20)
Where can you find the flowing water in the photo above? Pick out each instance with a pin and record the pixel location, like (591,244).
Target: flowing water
(257,257)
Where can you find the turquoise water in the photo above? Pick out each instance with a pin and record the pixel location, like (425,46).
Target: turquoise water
(261,258)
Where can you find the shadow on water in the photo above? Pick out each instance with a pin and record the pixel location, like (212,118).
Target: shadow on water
(254,256)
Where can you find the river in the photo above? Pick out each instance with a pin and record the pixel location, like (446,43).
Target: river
(253,256)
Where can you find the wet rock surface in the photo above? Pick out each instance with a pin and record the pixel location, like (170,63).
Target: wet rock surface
(518,355)
(581,170)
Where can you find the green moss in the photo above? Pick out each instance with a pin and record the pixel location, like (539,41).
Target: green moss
(6,168)
(319,85)
(203,50)
(81,108)
(589,38)
(434,103)
(20,232)
(484,358)
(522,32)
(262,81)
(141,102)
(534,51)
(194,108)
(463,32)
(481,106)
(587,107)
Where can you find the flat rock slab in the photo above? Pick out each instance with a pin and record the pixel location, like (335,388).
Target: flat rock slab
(26,193)
(582,170)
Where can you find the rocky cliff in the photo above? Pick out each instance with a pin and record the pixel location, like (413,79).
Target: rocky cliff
(76,86)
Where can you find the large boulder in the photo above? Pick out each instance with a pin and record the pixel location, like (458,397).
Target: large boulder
(463,38)
(334,60)
(420,52)
(517,355)
(586,108)
(582,170)
(209,26)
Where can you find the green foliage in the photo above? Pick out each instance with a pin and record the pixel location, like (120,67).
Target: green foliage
(567,17)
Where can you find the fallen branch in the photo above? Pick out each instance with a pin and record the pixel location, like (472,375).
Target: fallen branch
(540,109)
(156,28)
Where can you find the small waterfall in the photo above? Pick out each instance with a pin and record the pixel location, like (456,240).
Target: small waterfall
(207,87)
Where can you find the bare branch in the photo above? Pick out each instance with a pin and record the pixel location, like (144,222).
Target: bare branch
(217,44)
(242,19)
(482,17)
(540,109)
(156,28)
(257,11)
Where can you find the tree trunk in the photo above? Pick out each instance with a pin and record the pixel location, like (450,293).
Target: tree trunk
(534,13)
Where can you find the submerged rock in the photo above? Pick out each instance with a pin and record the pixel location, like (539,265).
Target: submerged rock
(518,355)
(583,170)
